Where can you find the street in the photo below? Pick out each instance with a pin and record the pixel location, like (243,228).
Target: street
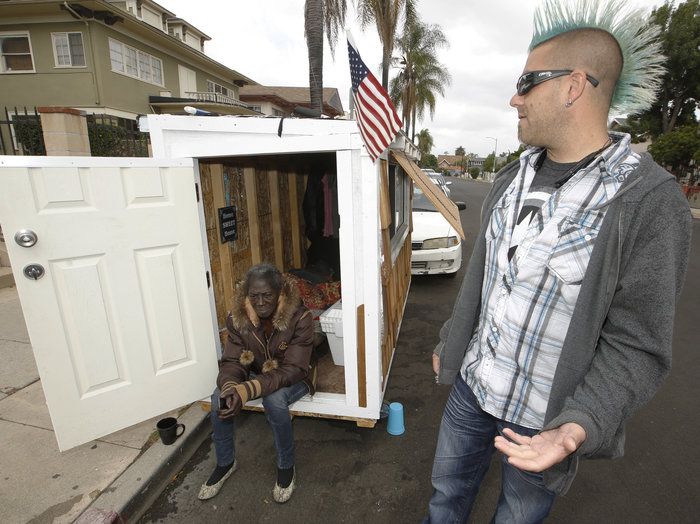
(351,474)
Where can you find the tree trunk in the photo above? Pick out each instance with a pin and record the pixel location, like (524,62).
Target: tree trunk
(313,23)
(671,123)
(413,127)
(386,60)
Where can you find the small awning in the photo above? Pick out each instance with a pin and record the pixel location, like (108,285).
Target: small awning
(447,208)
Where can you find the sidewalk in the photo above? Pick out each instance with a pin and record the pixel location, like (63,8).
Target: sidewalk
(112,478)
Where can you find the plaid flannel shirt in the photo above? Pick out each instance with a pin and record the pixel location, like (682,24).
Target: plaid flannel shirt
(527,302)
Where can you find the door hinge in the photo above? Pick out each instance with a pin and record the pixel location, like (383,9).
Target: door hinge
(196,190)
(208,280)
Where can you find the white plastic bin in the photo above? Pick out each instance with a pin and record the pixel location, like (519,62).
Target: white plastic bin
(332,325)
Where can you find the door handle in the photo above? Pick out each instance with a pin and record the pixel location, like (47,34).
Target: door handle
(33,271)
(25,237)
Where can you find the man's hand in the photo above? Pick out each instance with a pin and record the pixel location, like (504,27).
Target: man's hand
(233,404)
(436,364)
(544,449)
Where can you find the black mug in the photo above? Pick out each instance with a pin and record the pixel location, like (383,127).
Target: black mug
(167,429)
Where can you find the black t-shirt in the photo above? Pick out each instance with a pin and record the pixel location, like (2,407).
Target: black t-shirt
(542,187)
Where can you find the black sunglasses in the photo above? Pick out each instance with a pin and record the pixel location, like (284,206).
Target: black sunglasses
(530,79)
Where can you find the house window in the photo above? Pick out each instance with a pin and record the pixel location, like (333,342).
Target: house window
(157,70)
(399,197)
(138,64)
(144,66)
(68,49)
(16,53)
(255,108)
(213,87)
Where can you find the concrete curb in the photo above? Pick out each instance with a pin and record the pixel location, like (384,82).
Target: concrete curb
(133,492)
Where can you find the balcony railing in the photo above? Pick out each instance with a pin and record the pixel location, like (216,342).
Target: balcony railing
(206,96)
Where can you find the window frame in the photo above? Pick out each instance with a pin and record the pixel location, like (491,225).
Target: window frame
(15,34)
(131,61)
(212,86)
(70,54)
(400,207)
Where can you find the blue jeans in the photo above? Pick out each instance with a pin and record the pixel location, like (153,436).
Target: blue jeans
(463,455)
(277,413)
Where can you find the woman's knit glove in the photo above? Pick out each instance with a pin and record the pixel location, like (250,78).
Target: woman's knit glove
(239,395)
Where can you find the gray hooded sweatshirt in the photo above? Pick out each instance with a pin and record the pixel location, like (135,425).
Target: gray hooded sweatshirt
(617,351)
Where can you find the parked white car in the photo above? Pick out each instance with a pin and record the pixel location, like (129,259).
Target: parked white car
(435,246)
(438,179)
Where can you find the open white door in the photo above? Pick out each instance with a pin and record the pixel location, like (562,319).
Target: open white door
(120,321)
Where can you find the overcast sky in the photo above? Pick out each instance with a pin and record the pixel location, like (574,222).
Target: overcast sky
(264,40)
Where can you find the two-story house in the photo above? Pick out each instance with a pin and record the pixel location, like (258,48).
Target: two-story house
(117,58)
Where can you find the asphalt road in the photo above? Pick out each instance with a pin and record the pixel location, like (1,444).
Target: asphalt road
(350,474)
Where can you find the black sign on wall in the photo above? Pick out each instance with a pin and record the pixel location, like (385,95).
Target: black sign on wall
(228,226)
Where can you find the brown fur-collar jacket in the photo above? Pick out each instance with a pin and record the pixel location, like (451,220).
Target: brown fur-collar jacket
(279,361)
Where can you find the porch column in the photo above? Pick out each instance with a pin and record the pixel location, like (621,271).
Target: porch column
(65,131)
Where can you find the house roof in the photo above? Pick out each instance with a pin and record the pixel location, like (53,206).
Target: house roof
(190,27)
(452,160)
(151,2)
(288,97)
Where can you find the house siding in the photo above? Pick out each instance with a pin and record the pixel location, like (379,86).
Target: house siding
(95,87)
(49,84)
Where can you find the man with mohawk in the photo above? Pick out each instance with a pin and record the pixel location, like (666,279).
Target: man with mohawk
(562,328)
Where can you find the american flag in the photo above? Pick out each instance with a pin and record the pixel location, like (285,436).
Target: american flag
(375,114)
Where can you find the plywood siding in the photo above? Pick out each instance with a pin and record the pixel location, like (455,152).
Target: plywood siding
(268,196)
(396,278)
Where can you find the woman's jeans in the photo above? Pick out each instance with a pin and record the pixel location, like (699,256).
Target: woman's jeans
(277,413)
(463,455)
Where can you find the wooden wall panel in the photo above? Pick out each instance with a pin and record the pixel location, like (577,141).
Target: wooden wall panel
(219,200)
(361,358)
(301,190)
(252,213)
(276,214)
(264,207)
(268,195)
(236,196)
(396,278)
(286,227)
(295,234)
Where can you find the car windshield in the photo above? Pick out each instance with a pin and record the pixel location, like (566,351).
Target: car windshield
(421,202)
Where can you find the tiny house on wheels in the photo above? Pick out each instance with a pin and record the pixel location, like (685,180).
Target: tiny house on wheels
(126,267)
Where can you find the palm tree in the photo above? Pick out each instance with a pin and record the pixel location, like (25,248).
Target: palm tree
(425,142)
(422,76)
(386,15)
(321,16)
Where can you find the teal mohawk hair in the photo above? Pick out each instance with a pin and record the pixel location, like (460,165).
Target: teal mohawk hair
(638,38)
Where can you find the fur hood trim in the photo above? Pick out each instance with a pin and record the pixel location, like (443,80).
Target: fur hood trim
(243,314)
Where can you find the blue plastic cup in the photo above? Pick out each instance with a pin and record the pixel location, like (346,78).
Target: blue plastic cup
(395,425)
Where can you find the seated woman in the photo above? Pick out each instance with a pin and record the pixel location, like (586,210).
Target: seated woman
(267,354)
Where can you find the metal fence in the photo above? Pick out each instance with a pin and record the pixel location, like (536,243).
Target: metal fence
(113,136)
(21,133)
